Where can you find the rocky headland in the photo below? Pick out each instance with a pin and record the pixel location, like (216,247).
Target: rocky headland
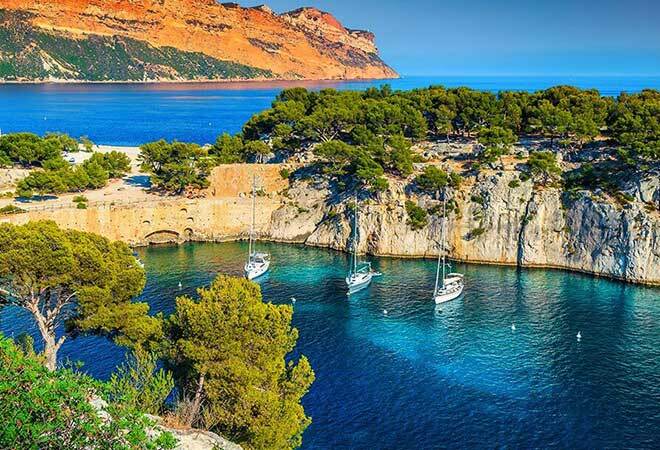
(175,40)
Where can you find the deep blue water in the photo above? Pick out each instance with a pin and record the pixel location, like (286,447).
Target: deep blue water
(423,377)
(132,114)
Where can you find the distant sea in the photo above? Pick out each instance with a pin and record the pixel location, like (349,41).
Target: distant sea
(132,114)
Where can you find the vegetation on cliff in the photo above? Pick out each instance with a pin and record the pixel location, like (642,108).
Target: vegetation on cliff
(361,138)
(42,409)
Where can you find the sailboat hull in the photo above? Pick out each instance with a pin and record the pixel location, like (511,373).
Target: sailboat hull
(447,294)
(358,282)
(255,270)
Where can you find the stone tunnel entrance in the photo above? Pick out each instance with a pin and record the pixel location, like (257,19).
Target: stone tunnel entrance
(162,237)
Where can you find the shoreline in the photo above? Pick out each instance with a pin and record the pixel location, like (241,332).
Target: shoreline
(625,281)
(196,81)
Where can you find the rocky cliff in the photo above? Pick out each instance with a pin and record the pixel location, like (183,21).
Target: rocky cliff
(496,220)
(494,224)
(178,40)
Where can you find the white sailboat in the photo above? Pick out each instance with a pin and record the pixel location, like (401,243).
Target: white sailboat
(258,263)
(360,274)
(451,285)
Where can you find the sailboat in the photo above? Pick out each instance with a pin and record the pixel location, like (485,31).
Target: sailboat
(451,285)
(258,263)
(360,274)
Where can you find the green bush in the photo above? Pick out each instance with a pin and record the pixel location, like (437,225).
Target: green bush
(476,232)
(11,209)
(543,167)
(478,199)
(176,166)
(285,173)
(80,199)
(434,179)
(417,216)
(139,384)
(51,410)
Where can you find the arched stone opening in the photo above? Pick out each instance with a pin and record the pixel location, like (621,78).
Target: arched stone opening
(162,237)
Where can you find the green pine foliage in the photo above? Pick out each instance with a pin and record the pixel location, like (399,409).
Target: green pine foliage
(434,180)
(417,216)
(232,351)
(176,166)
(50,410)
(81,279)
(544,168)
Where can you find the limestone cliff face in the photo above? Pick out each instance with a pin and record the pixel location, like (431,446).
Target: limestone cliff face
(494,223)
(302,44)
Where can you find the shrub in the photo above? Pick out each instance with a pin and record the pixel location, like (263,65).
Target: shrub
(79,199)
(514,184)
(139,384)
(50,410)
(417,216)
(478,199)
(285,173)
(476,232)
(11,209)
(434,179)
(543,167)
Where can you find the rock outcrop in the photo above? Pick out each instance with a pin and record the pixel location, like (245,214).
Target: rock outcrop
(187,438)
(179,39)
(496,221)
(496,224)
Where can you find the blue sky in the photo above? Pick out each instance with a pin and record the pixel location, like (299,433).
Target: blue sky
(505,37)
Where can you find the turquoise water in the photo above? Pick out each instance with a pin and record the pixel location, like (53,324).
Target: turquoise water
(132,114)
(457,376)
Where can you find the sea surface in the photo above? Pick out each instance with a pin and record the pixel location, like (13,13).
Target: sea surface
(393,371)
(132,114)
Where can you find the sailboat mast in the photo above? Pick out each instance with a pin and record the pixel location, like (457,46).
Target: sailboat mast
(437,269)
(254,195)
(444,237)
(355,235)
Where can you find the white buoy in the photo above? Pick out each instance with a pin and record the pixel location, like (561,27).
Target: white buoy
(385,311)
(579,335)
(513,327)
(293,299)
(180,285)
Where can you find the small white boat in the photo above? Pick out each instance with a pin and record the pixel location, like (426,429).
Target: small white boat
(359,278)
(360,274)
(451,285)
(258,263)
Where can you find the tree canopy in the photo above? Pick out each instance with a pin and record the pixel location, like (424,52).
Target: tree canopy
(75,277)
(543,167)
(230,349)
(30,150)
(176,166)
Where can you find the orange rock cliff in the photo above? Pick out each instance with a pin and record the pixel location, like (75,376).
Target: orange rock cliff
(301,44)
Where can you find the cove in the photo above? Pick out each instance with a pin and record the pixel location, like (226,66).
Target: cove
(427,377)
